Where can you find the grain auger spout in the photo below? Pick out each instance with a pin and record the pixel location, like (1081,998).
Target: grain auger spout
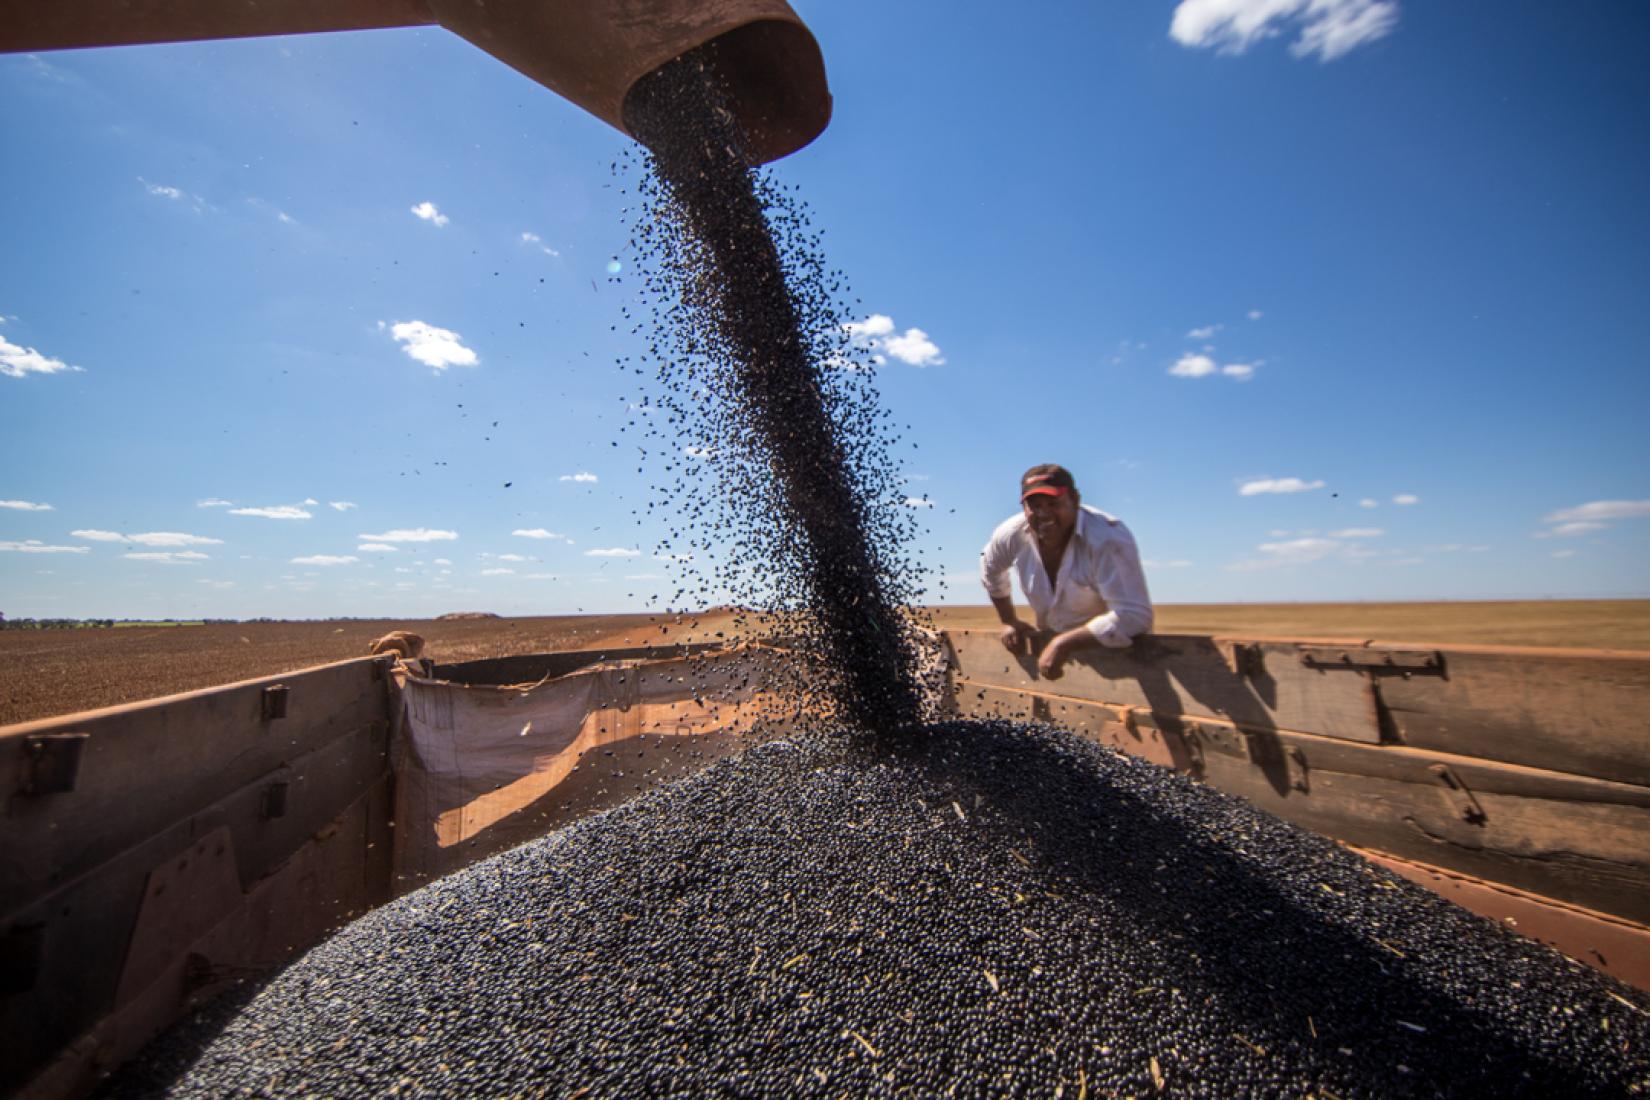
(590,52)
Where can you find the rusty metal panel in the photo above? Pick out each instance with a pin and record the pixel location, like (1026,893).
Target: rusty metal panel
(147,765)
(86,921)
(1617,947)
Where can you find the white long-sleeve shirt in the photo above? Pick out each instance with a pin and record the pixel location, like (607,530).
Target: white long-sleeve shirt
(1100,583)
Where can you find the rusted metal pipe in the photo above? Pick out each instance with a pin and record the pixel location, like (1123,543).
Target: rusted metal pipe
(592,52)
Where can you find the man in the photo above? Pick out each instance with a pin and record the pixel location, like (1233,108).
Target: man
(1078,567)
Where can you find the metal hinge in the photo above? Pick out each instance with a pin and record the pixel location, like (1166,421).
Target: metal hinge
(274,701)
(51,762)
(1407,662)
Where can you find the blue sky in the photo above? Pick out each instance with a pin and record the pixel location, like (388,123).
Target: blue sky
(1341,301)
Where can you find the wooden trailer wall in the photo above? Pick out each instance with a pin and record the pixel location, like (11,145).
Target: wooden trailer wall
(1516,781)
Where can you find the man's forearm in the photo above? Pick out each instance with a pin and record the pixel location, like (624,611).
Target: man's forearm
(1005,610)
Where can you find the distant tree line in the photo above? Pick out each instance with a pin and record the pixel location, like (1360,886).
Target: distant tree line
(52,624)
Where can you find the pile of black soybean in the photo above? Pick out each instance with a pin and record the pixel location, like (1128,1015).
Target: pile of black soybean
(992,910)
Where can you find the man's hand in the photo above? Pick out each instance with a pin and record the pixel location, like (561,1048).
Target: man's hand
(1059,650)
(1017,636)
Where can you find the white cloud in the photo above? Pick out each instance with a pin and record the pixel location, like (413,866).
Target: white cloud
(1277,485)
(442,561)
(428,212)
(1255,315)
(26,506)
(918,502)
(16,361)
(1406,498)
(511,557)
(914,348)
(538,242)
(672,557)
(642,577)
(216,584)
(413,534)
(1242,372)
(1571,530)
(1300,551)
(161,191)
(168,557)
(1328,28)
(1193,366)
(874,326)
(1153,563)
(35,546)
(1564,553)
(877,334)
(1357,533)
(213,502)
(327,559)
(499,572)
(614,552)
(309,502)
(148,538)
(1597,510)
(1206,332)
(699,452)
(538,533)
(538,576)
(377,548)
(1369,502)
(584,477)
(341,505)
(274,511)
(172,538)
(439,348)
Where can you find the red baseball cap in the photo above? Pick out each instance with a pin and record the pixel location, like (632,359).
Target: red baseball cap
(1046,480)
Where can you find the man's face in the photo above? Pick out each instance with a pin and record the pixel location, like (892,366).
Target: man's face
(1052,518)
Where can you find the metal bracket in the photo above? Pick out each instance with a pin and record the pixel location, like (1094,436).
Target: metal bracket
(273,804)
(1295,760)
(51,762)
(21,947)
(274,701)
(1462,798)
(1407,662)
(1226,740)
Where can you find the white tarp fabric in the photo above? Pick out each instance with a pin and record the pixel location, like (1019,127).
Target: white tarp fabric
(482,767)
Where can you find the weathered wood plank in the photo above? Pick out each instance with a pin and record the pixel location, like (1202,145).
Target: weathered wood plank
(1587,713)
(1575,838)
(1172,674)
(148,765)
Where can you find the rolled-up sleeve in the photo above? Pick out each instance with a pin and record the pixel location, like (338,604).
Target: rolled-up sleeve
(997,563)
(1122,584)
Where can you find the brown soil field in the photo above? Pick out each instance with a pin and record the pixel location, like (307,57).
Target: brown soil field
(51,672)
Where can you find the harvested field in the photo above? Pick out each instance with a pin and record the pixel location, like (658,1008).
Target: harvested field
(51,672)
